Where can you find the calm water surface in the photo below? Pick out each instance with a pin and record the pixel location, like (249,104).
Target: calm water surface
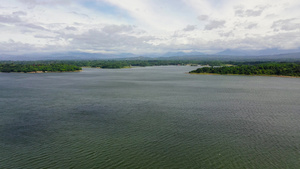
(152,117)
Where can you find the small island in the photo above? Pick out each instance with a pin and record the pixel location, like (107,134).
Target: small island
(38,68)
(270,69)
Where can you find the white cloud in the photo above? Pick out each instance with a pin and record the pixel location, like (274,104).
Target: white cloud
(214,24)
(226,34)
(9,19)
(190,28)
(203,17)
(157,16)
(33,3)
(147,26)
(251,25)
(286,24)
(249,12)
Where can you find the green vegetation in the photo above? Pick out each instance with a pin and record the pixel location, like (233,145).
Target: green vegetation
(118,64)
(12,67)
(113,64)
(245,68)
(283,69)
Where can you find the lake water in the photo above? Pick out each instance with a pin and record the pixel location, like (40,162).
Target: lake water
(151,117)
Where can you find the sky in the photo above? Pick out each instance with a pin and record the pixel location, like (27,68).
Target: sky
(147,26)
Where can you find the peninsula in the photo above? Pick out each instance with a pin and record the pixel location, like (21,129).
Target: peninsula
(38,68)
(272,69)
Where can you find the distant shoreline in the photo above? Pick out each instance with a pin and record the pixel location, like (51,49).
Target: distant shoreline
(126,67)
(44,72)
(244,75)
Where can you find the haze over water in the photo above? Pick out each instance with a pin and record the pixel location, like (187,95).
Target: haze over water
(152,117)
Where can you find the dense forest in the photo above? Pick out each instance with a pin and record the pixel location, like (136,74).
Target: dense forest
(68,65)
(117,64)
(218,67)
(284,69)
(58,67)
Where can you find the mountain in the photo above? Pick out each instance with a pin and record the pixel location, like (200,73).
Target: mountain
(270,51)
(227,55)
(229,52)
(277,57)
(94,56)
(137,58)
(181,54)
(65,56)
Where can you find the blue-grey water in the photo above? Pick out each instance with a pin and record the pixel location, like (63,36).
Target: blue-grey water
(151,117)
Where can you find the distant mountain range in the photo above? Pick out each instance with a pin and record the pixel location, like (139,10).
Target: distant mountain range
(272,51)
(66,56)
(267,54)
(279,57)
(181,54)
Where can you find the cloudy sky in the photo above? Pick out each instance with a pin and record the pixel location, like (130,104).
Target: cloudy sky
(147,26)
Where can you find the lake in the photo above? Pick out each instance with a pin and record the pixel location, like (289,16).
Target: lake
(150,117)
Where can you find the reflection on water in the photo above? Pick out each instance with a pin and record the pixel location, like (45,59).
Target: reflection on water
(152,117)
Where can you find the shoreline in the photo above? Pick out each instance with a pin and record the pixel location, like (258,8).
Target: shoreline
(129,67)
(126,67)
(44,72)
(244,75)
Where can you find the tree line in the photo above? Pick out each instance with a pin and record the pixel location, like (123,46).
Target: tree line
(247,68)
(284,69)
(53,67)
(117,64)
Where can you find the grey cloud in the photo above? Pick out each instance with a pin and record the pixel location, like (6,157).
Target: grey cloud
(33,3)
(9,19)
(286,25)
(43,37)
(280,40)
(176,34)
(239,12)
(271,16)
(80,14)
(109,39)
(16,47)
(226,34)
(190,28)
(71,28)
(202,17)
(15,18)
(254,42)
(13,46)
(113,29)
(251,26)
(32,26)
(18,13)
(96,39)
(78,24)
(215,24)
(249,12)
(246,25)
